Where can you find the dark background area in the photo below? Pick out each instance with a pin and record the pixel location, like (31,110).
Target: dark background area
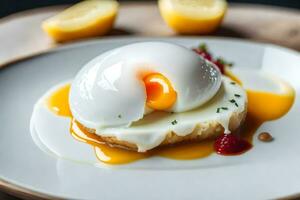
(10,6)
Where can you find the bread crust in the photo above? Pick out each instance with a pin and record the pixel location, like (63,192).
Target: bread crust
(202,131)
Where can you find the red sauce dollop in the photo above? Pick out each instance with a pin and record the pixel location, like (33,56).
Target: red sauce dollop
(231,144)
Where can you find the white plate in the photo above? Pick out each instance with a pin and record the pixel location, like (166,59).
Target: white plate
(267,171)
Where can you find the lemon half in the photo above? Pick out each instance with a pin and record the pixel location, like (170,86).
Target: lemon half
(193,16)
(85,19)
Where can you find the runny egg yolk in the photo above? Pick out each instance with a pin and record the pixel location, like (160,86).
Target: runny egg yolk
(160,93)
(57,101)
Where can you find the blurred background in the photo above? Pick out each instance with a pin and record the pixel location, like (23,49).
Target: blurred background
(10,6)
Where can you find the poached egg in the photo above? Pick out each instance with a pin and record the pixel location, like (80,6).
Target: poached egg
(122,85)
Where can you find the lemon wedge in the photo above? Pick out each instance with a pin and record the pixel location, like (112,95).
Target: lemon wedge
(85,19)
(193,16)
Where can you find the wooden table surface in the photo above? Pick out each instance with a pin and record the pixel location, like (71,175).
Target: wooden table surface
(21,35)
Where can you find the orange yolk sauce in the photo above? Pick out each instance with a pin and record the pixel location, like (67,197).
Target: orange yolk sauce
(262,107)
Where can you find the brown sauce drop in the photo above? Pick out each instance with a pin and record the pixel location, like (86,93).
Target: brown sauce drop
(265,137)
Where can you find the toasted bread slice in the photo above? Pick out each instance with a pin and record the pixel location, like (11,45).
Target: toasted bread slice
(202,131)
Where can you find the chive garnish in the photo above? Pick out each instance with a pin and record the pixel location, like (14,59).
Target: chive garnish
(224,62)
(174,122)
(234,102)
(218,110)
(232,83)
(224,108)
(120,116)
(230,64)
(237,95)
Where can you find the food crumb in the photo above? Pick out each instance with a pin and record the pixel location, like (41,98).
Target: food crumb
(265,137)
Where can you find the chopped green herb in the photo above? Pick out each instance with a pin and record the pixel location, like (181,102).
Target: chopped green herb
(221,60)
(237,95)
(174,122)
(232,83)
(224,62)
(234,102)
(224,108)
(203,47)
(218,110)
(120,116)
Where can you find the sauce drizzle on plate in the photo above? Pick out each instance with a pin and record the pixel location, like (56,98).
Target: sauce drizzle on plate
(262,107)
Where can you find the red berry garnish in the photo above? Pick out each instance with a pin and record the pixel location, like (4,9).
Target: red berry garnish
(230,144)
(202,50)
(220,65)
(204,54)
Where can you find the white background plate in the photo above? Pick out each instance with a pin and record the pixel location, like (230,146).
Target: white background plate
(267,171)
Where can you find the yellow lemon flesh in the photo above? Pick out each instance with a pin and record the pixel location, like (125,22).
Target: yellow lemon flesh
(85,19)
(193,16)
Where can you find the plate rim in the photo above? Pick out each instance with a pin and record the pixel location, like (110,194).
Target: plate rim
(124,38)
(9,187)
